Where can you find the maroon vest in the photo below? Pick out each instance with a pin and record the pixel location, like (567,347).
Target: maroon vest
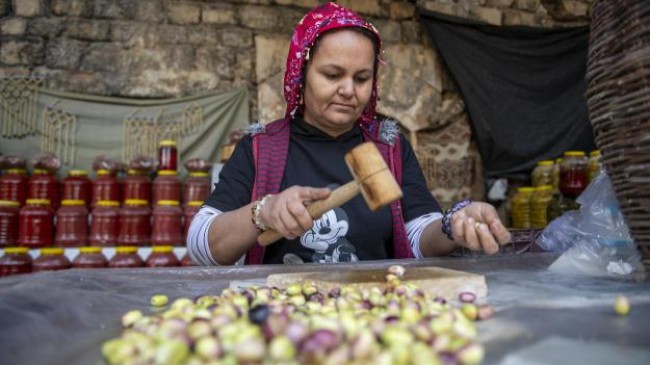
(270,149)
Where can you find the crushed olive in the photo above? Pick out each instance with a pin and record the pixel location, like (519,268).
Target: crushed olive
(258,314)
(397,324)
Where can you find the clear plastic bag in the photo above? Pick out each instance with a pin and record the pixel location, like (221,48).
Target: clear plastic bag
(106,163)
(11,162)
(595,240)
(46,161)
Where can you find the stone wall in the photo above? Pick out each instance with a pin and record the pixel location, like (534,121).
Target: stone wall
(164,48)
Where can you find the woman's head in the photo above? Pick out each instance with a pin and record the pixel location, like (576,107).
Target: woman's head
(332,66)
(339,80)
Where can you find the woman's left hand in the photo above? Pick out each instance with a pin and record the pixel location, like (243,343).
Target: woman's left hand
(478,227)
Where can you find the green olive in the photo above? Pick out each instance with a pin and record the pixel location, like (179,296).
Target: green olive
(131,317)
(621,305)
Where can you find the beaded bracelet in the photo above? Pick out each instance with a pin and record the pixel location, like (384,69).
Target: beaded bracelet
(255,213)
(446,218)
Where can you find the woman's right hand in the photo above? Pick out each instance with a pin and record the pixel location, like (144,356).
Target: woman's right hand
(286,212)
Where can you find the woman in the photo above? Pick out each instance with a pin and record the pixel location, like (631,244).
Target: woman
(331,90)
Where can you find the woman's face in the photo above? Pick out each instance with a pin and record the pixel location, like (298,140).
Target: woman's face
(339,79)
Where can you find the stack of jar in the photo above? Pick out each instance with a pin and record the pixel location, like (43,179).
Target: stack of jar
(555,188)
(102,212)
(17,260)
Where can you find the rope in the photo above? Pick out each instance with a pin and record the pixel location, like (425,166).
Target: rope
(18,97)
(59,135)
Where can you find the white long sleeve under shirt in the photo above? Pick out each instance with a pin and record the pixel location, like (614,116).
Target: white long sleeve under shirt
(199,249)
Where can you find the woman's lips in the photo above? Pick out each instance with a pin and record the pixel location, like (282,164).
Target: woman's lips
(346,107)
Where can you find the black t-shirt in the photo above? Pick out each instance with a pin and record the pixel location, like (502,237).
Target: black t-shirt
(348,233)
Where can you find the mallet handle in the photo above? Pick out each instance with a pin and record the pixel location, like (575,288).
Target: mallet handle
(337,198)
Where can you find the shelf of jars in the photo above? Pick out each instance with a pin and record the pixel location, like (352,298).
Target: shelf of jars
(125,215)
(555,185)
(22,260)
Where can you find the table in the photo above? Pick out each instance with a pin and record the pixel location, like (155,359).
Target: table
(541,317)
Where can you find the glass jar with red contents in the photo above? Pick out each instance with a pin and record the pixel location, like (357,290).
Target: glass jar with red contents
(189,212)
(44,185)
(104,223)
(77,186)
(167,155)
(36,224)
(51,259)
(136,185)
(162,256)
(166,186)
(197,187)
(16,260)
(134,223)
(187,260)
(13,185)
(9,211)
(167,224)
(71,224)
(573,173)
(126,257)
(106,186)
(90,258)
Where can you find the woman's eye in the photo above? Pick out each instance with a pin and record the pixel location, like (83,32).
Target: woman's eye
(362,79)
(331,76)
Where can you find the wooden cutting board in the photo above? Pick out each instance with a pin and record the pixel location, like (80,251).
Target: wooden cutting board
(436,281)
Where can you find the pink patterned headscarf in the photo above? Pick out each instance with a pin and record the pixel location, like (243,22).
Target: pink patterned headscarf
(320,19)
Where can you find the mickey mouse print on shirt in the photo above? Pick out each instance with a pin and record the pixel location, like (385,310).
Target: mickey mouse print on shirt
(327,239)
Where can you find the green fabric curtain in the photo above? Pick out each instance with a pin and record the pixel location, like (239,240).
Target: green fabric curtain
(98,124)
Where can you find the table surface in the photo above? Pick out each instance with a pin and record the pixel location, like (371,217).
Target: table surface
(541,317)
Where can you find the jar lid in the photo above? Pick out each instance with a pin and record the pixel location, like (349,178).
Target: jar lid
(136,172)
(194,203)
(594,153)
(199,174)
(136,202)
(108,203)
(126,249)
(168,203)
(16,250)
(90,249)
(40,172)
(526,189)
(72,202)
(77,173)
(574,153)
(9,203)
(162,249)
(558,160)
(167,143)
(18,171)
(38,201)
(52,251)
(102,172)
(544,188)
(167,173)
(545,163)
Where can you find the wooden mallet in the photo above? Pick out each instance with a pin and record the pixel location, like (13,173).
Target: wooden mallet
(371,177)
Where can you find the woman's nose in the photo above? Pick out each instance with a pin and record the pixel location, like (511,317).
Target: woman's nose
(346,88)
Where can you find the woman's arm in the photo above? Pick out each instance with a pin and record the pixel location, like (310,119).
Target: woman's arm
(231,234)
(476,227)
(222,238)
(435,243)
